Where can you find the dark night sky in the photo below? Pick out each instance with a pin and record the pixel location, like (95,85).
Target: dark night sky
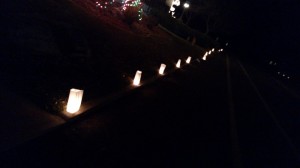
(266,29)
(270,21)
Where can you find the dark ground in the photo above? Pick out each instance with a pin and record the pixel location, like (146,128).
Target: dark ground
(200,116)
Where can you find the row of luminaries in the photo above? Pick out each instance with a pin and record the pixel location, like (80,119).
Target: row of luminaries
(75,96)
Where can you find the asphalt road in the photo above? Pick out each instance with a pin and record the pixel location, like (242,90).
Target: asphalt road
(218,113)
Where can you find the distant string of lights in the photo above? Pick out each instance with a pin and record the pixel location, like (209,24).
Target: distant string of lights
(134,3)
(104,4)
(283,74)
(126,3)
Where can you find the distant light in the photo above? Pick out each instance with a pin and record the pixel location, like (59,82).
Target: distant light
(209,52)
(278,73)
(275,63)
(137,78)
(188,60)
(172,8)
(271,62)
(186,5)
(162,69)
(178,63)
(288,77)
(213,50)
(226,44)
(74,101)
(283,75)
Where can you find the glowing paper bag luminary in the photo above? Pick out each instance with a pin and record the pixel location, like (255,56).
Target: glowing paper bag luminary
(162,69)
(188,60)
(178,63)
(74,101)
(204,57)
(137,78)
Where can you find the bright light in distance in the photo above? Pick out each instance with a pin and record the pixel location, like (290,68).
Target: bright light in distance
(278,73)
(178,63)
(213,50)
(209,52)
(137,78)
(188,60)
(186,5)
(162,69)
(74,101)
(172,9)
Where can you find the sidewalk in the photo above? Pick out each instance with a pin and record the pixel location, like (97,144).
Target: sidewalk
(21,120)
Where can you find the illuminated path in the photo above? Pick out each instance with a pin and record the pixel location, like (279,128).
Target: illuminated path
(219,113)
